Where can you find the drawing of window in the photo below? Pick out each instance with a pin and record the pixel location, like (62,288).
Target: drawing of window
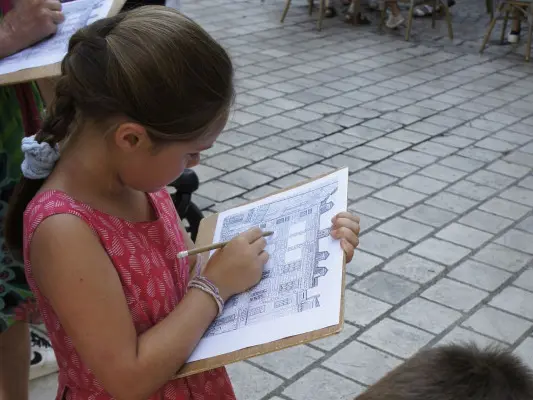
(282,220)
(282,303)
(256,310)
(288,286)
(258,295)
(306,212)
(266,274)
(291,267)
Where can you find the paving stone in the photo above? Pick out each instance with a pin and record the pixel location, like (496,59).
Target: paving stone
(368,153)
(394,168)
(422,184)
(491,179)
(396,338)
(527,182)
(322,148)
(480,154)
(426,315)
(274,168)
(479,275)
(363,310)
(361,362)
(246,179)
(235,138)
(387,287)
(440,251)
(362,263)
(429,215)
(435,149)
(464,235)
(471,190)
(442,173)
(250,382)
(330,342)
(485,221)
(504,208)
(219,191)
(496,144)
(505,168)
(400,196)
(288,362)
(381,245)
(498,324)
(462,163)
(525,280)
(206,173)
(405,229)
(341,161)
(517,240)
(502,257)
(227,162)
(407,136)
(315,170)
(515,301)
(253,152)
(320,384)
(525,351)
(260,192)
(414,268)
(298,158)
(460,335)
(454,294)
(519,195)
(526,225)
(276,142)
(415,157)
(376,208)
(371,178)
(451,202)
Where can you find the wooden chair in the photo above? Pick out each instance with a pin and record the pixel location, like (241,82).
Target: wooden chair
(321,11)
(507,9)
(413,4)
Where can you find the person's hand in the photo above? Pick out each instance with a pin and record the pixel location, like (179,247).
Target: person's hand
(346,229)
(30,21)
(238,266)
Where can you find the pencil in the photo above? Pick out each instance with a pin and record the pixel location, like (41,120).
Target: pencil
(214,246)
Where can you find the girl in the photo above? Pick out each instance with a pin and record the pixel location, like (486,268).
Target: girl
(140,96)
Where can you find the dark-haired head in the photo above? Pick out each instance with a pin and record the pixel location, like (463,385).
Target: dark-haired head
(149,76)
(456,372)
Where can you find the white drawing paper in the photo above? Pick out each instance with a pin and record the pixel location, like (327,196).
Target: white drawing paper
(78,13)
(300,290)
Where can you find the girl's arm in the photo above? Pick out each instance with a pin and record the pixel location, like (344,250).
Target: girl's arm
(74,273)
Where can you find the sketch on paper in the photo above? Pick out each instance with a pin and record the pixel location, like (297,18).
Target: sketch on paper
(78,14)
(300,290)
(294,264)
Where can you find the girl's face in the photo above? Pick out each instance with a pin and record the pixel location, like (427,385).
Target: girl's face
(147,168)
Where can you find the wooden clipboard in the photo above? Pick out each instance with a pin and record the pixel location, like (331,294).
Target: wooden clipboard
(205,237)
(51,70)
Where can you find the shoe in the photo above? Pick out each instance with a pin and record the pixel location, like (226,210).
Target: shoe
(513,37)
(395,21)
(43,360)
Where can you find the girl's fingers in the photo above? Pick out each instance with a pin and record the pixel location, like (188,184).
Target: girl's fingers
(346,215)
(347,223)
(348,250)
(346,234)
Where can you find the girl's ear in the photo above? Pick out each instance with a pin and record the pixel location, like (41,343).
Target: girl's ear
(130,136)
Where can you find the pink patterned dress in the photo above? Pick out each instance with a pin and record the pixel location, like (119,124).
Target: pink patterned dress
(153,279)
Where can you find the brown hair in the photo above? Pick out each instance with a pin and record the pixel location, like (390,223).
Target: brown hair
(152,65)
(456,372)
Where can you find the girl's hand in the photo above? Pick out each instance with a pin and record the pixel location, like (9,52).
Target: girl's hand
(238,266)
(346,228)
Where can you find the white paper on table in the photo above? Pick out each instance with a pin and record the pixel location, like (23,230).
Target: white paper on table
(301,220)
(78,14)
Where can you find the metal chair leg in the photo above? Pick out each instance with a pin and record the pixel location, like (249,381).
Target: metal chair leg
(434,14)
(285,10)
(321,12)
(410,20)
(487,36)
(448,18)
(311,4)
(529,33)
(504,27)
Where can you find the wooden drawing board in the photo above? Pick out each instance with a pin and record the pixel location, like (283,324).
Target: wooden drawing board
(205,237)
(51,70)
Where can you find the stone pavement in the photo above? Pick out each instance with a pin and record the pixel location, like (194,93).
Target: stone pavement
(439,142)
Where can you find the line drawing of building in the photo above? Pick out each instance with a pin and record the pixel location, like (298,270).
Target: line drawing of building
(294,264)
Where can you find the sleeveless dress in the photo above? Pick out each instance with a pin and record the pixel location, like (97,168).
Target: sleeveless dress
(153,280)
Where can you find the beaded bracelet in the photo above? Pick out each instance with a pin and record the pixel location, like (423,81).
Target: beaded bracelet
(205,285)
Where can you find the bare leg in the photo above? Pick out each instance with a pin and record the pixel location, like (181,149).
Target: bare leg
(394,7)
(15,362)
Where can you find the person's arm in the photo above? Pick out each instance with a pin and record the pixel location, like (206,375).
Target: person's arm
(75,274)
(28,22)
